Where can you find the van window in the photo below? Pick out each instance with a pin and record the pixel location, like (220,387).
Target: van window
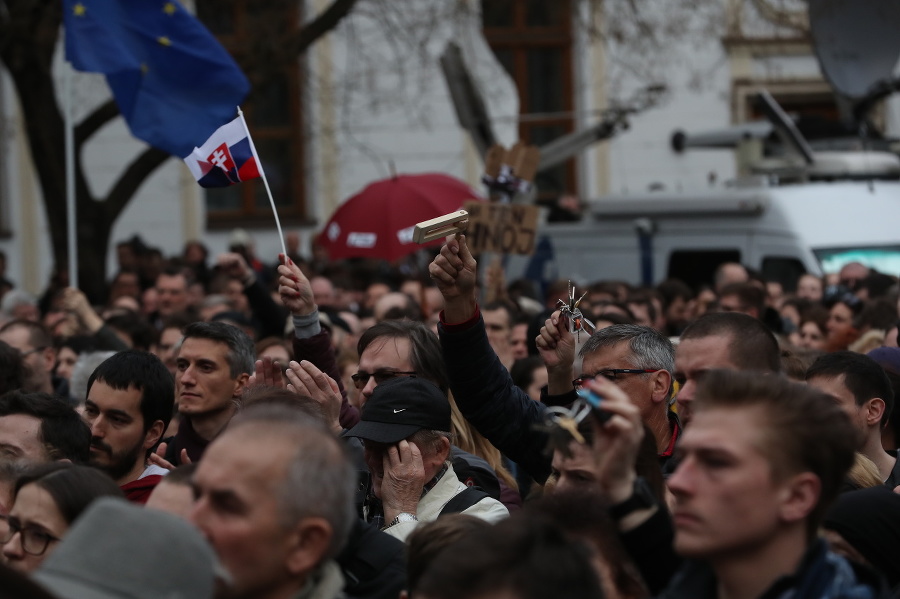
(697,267)
(883,258)
(785,270)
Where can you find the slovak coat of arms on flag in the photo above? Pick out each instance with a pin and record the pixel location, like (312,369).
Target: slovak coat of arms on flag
(226,158)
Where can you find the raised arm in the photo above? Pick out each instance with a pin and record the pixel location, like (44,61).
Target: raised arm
(311,342)
(481,385)
(556,345)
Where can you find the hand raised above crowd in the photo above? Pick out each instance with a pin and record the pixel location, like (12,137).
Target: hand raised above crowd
(234,265)
(294,288)
(454,272)
(556,346)
(74,301)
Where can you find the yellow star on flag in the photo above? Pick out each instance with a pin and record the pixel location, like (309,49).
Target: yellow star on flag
(79,9)
(144,68)
(164,41)
(169,8)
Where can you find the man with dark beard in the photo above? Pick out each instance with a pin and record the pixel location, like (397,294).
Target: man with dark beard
(128,406)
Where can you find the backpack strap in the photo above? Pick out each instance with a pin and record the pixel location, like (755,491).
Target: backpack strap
(463,501)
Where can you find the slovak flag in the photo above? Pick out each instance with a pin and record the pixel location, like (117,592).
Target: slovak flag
(227,157)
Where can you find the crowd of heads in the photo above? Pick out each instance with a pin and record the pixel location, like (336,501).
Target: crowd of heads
(152,394)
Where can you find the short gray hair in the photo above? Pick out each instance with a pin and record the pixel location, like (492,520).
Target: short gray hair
(649,348)
(14,298)
(320,480)
(430,441)
(85,365)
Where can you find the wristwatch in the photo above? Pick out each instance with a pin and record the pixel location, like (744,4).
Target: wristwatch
(641,498)
(403,517)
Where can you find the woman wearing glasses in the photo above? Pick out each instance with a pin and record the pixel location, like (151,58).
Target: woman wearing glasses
(47,499)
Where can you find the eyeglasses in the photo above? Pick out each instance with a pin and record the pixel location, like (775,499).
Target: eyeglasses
(612,374)
(25,354)
(361,378)
(34,540)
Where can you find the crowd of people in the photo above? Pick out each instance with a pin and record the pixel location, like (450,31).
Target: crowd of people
(299,428)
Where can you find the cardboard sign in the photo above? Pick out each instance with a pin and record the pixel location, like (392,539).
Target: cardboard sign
(502,228)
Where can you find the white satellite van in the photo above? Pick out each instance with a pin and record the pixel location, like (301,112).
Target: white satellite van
(840,206)
(782,231)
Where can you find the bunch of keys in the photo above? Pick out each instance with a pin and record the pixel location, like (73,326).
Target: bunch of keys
(562,422)
(577,321)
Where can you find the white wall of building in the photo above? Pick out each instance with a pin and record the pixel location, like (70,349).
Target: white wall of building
(377,102)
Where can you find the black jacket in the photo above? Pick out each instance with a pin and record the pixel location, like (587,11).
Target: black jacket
(487,397)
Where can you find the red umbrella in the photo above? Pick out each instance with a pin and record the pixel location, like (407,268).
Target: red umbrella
(378,222)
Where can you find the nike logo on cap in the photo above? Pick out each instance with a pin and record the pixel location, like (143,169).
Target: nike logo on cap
(400,410)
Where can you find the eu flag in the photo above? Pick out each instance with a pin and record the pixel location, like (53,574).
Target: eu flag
(172,80)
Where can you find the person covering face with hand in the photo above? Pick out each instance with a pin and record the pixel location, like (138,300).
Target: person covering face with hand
(404,428)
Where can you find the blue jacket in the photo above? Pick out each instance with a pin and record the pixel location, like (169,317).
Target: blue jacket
(821,575)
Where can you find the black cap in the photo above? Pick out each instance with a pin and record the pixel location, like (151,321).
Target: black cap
(400,407)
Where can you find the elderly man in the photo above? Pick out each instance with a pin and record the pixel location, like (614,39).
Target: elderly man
(638,359)
(405,429)
(274,497)
(388,349)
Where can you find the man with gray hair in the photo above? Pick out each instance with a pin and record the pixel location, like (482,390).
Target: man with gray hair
(274,497)
(19,304)
(637,359)
(214,362)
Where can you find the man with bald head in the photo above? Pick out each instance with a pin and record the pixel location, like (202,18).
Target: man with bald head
(852,274)
(728,273)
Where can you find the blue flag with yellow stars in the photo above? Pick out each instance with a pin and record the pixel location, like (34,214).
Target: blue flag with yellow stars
(172,80)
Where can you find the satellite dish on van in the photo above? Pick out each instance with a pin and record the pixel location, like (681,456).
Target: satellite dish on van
(856,42)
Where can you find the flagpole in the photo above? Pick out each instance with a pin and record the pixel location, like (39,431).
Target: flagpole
(262,174)
(71,233)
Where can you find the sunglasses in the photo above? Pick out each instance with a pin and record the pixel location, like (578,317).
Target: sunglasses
(361,378)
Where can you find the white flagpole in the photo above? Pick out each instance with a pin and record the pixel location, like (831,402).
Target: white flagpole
(71,231)
(262,174)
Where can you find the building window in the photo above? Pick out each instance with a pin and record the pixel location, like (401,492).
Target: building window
(255,34)
(533,40)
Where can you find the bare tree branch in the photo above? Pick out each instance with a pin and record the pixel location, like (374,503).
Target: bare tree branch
(131,180)
(5,25)
(322,24)
(94,121)
(797,20)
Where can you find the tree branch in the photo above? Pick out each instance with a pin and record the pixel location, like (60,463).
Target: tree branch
(131,179)
(94,121)
(322,24)
(5,25)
